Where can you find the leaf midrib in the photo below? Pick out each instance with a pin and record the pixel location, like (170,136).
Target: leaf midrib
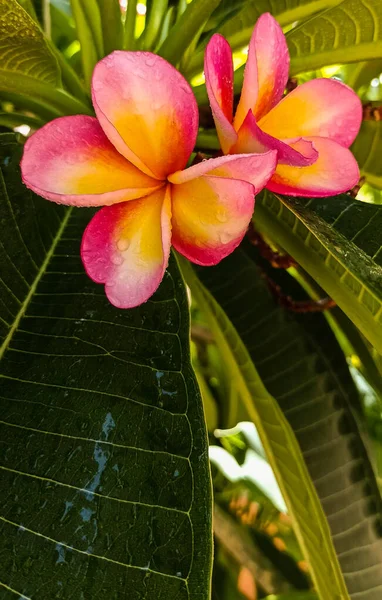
(39,275)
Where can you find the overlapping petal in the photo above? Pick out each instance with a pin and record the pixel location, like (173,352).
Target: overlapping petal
(251,138)
(127,246)
(147,110)
(210,216)
(334,172)
(71,161)
(266,71)
(253,168)
(218,70)
(321,107)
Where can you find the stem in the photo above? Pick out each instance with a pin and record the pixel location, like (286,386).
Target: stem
(46,18)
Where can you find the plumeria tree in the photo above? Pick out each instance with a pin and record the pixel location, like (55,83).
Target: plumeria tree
(208,168)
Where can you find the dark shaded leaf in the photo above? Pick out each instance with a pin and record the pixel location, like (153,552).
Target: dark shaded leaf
(105,486)
(303,367)
(276,435)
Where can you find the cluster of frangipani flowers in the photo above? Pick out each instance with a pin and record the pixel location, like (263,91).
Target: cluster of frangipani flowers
(132,159)
(311,128)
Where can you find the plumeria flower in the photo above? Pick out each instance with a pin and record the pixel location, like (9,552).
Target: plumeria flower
(131,159)
(311,128)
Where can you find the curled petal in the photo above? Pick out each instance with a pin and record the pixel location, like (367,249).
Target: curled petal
(253,168)
(210,216)
(252,139)
(127,246)
(147,110)
(321,107)
(334,172)
(266,71)
(218,70)
(71,161)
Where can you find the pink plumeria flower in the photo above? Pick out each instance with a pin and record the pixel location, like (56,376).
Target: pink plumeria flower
(311,128)
(130,159)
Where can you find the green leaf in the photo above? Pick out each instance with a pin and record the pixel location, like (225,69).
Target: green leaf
(348,32)
(293,596)
(338,242)
(112,28)
(105,490)
(87,17)
(12,120)
(367,149)
(23,48)
(28,66)
(238,30)
(278,440)
(157,10)
(29,7)
(303,367)
(186,28)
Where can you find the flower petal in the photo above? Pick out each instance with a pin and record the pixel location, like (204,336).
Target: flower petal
(218,70)
(253,168)
(71,161)
(127,246)
(321,107)
(147,110)
(210,216)
(266,71)
(335,171)
(252,139)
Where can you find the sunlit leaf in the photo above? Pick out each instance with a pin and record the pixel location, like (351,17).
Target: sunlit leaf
(348,32)
(29,67)
(105,486)
(338,242)
(23,50)
(367,149)
(238,29)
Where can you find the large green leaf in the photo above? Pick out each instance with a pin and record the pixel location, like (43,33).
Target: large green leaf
(348,32)
(278,440)
(367,149)
(238,29)
(23,48)
(303,367)
(338,242)
(28,64)
(105,489)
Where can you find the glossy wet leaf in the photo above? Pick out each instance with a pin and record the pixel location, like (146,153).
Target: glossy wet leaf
(367,149)
(105,487)
(349,31)
(338,242)
(276,435)
(24,52)
(30,69)
(303,367)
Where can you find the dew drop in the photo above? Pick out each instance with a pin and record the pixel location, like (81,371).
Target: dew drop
(221,215)
(123,244)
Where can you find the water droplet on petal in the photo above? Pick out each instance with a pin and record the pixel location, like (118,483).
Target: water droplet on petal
(123,244)
(221,215)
